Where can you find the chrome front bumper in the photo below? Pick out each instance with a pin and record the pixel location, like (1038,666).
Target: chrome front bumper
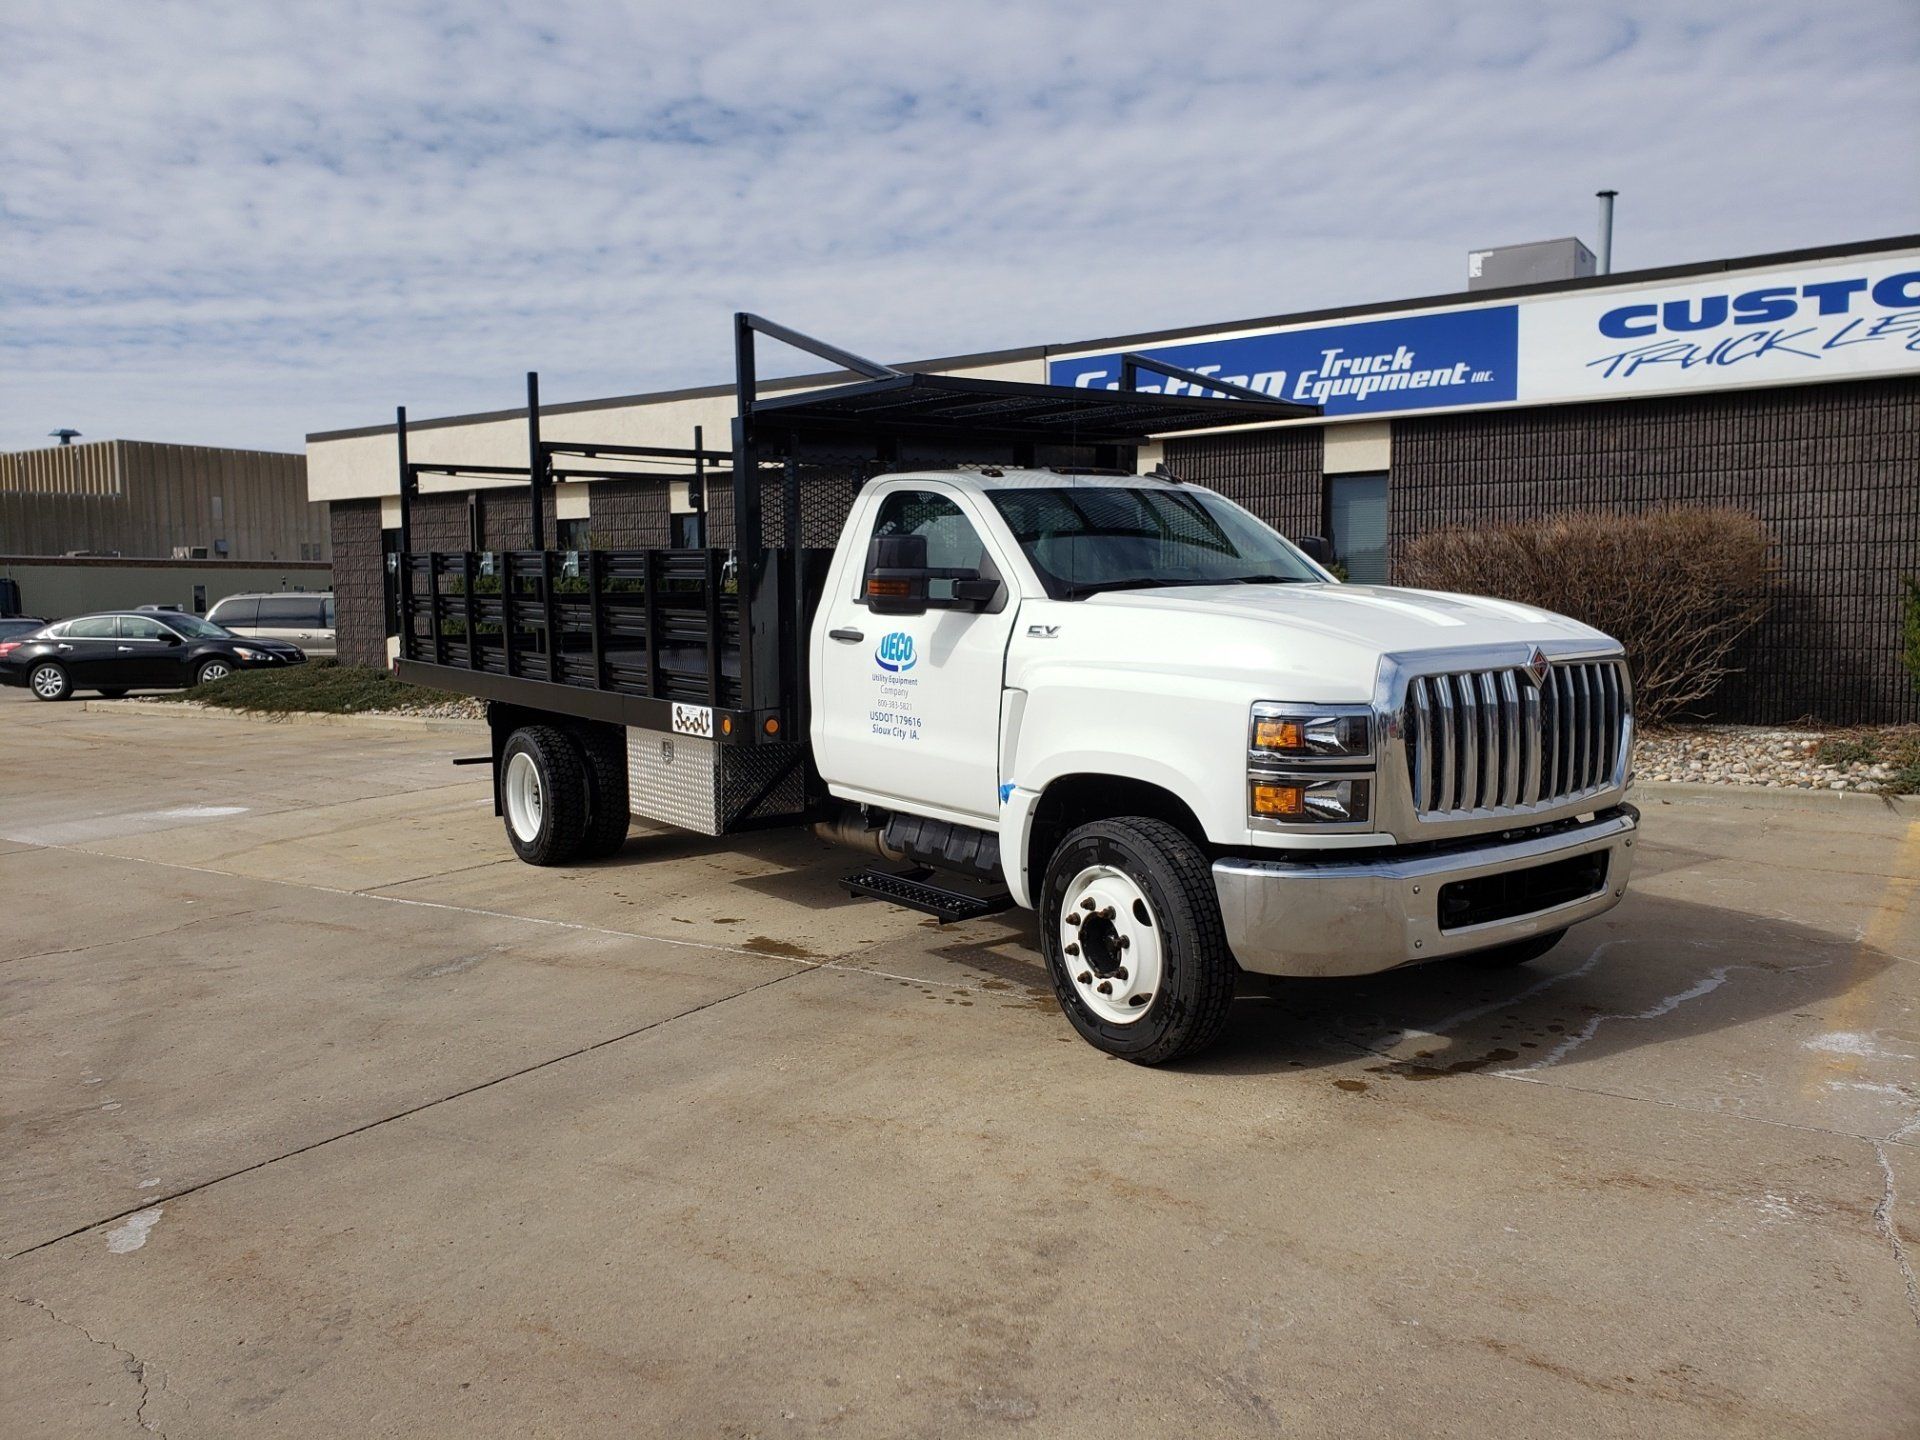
(1291,916)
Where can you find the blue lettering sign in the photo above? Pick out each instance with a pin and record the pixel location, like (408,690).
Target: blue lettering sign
(1462,357)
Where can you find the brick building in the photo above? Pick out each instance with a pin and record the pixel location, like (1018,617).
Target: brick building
(1786,384)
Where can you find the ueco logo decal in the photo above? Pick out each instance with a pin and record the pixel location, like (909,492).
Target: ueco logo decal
(895,651)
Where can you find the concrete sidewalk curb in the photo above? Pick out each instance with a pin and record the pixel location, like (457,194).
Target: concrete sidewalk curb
(374,721)
(1760,797)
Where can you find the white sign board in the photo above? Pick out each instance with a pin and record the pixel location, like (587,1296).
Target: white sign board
(1838,320)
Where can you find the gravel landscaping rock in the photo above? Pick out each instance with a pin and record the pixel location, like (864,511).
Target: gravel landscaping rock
(1833,759)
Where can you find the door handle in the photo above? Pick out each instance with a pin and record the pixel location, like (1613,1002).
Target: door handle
(125,649)
(63,647)
(850,636)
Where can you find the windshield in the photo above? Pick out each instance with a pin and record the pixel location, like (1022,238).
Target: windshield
(1084,539)
(193,627)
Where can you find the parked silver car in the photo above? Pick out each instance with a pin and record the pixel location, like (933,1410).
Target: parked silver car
(299,617)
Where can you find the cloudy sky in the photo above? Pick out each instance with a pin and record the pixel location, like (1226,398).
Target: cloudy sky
(231,224)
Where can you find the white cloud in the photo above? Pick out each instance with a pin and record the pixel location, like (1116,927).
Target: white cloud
(234,223)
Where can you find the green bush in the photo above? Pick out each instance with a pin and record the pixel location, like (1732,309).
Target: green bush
(1678,586)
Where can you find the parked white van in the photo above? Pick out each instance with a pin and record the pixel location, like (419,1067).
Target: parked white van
(299,617)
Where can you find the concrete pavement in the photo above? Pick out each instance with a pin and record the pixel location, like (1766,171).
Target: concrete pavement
(324,1116)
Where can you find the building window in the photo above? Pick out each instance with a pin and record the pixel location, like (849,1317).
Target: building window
(687,531)
(572,535)
(1357,526)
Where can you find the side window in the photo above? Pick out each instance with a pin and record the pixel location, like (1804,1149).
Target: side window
(952,542)
(94,627)
(236,612)
(55,632)
(289,612)
(138,627)
(326,612)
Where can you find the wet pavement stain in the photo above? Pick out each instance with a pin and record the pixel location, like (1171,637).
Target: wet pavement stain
(1407,1070)
(1353,1087)
(784,949)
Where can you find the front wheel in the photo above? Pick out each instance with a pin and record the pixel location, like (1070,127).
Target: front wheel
(543,794)
(211,671)
(50,682)
(1131,928)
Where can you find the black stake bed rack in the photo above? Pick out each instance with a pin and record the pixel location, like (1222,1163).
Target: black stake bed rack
(712,641)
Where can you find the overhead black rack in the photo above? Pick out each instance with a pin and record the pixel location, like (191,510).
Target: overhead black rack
(935,405)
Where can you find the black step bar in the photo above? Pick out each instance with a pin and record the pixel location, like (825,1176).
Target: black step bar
(915,889)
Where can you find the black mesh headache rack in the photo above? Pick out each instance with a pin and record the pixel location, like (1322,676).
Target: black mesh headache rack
(711,642)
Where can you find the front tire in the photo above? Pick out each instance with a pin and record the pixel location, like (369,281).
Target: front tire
(1150,977)
(211,671)
(543,795)
(50,682)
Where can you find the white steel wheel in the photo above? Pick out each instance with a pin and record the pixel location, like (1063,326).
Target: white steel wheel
(214,670)
(1112,944)
(521,793)
(49,682)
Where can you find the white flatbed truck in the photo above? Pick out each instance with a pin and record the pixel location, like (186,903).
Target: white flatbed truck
(1119,700)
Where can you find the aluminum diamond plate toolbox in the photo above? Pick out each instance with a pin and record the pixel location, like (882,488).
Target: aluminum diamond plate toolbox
(704,786)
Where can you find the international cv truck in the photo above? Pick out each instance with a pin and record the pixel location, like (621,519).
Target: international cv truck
(944,620)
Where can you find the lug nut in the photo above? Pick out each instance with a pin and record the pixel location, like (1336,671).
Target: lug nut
(1105,987)
(1073,949)
(1121,974)
(1107,913)
(1125,941)
(1072,917)
(1088,903)
(1085,977)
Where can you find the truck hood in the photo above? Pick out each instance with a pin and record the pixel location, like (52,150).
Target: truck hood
(1381,619)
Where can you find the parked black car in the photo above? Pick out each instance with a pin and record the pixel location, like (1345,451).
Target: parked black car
(121,651)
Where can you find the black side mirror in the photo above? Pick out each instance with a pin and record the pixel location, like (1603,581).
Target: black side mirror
(1316,549)
(895,582)
(974,591)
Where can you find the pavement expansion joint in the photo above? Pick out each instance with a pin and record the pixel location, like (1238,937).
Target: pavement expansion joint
(154,1201)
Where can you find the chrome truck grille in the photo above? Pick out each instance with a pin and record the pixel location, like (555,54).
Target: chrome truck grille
(1493,740)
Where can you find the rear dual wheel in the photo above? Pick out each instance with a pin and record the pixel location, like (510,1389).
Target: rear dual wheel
(563,794)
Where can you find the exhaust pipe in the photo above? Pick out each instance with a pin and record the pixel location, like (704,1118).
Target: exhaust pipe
(851,828)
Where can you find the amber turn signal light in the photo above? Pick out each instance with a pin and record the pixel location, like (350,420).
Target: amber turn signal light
(1281,800)
(1278,735)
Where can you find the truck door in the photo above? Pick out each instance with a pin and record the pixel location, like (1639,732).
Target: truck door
(907,707)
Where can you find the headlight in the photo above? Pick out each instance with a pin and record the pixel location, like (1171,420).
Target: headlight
(1304,732)
(1302,799)
(246,653)
(1309,765)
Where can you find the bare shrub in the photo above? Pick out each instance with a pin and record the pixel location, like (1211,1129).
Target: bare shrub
(1678,586)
